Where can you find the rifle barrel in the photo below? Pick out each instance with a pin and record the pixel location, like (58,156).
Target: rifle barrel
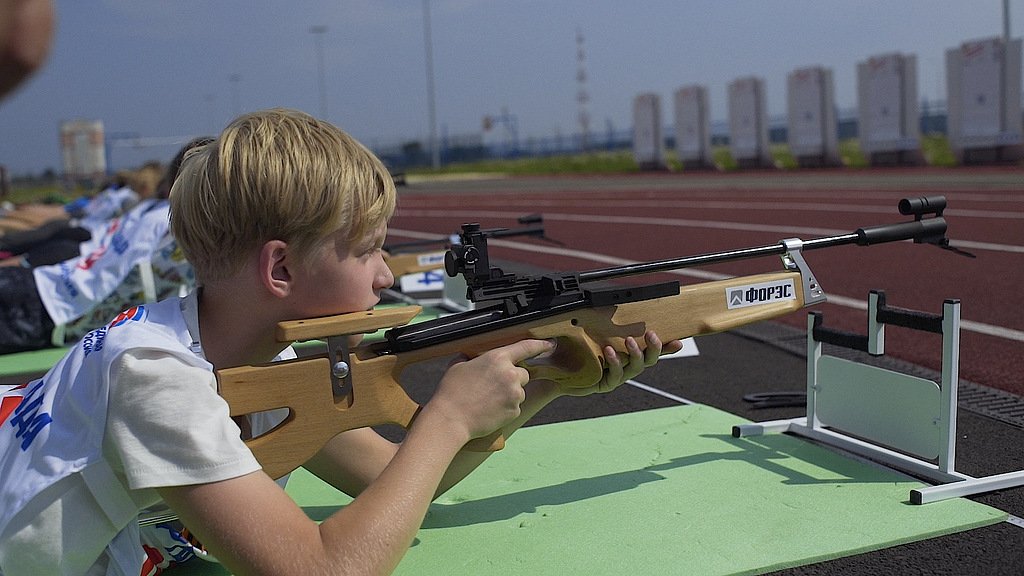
(677,263)
(929,230)
(524,231)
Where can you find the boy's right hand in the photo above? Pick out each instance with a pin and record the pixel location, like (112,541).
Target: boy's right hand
(485,393)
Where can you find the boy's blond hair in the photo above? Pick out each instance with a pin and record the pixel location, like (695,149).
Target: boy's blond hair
(275,175)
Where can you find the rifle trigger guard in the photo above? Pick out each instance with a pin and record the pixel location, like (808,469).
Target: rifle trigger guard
(793,259)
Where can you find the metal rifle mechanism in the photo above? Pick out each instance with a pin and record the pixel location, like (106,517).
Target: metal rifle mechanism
(428,255)
(532,225)
(508,299)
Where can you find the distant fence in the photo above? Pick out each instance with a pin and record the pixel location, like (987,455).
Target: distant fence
(472,147)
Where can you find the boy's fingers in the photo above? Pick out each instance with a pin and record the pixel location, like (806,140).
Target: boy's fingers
(613,365)
(526,349)
(672,347)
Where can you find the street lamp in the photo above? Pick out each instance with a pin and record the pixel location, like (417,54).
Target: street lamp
(435,151)
(235,79)
(318,35)
(1006,22)
(211,110)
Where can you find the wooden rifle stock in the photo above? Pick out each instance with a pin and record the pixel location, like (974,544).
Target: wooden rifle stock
(376,397)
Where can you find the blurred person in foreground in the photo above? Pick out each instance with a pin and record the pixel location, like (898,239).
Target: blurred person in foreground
(26,33)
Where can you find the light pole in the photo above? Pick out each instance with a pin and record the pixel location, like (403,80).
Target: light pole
(435,151)
(209,99)
(1006,22)
(235,79)
(318,35)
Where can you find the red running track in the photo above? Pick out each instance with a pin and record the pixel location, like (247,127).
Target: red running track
(606,220)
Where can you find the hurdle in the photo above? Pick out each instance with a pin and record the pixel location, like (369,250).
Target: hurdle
(896,419)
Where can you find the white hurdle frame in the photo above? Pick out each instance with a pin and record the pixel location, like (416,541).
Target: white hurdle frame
(942,472)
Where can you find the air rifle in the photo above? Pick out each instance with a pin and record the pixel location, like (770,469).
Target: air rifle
(356,387)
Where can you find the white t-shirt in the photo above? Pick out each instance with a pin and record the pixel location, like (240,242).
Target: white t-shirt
(109,203)
(71,288)
(166,426)
(172,276)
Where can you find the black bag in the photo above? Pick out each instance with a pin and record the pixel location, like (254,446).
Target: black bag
(24,322)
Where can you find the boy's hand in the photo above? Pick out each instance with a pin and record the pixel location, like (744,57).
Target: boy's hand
(617,371)
(485,393)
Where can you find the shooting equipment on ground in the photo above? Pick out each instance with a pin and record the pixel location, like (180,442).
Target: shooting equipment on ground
(356,387)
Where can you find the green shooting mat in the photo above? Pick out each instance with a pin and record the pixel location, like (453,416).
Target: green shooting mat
(31,363)
(665,491)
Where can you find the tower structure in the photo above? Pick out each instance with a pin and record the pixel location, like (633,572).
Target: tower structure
(582,97)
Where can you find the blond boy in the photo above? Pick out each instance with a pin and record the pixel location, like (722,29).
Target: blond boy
(283,217)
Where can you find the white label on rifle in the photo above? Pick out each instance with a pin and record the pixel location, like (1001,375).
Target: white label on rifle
(431,258)
(757,294)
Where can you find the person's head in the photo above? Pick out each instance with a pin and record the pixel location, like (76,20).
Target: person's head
(163,190)
(120,180)
(276,175)
(145,180)
(26,31)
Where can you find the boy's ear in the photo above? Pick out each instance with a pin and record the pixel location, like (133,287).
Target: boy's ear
(274,263)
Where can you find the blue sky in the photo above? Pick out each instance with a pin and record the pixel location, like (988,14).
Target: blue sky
(163,68)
